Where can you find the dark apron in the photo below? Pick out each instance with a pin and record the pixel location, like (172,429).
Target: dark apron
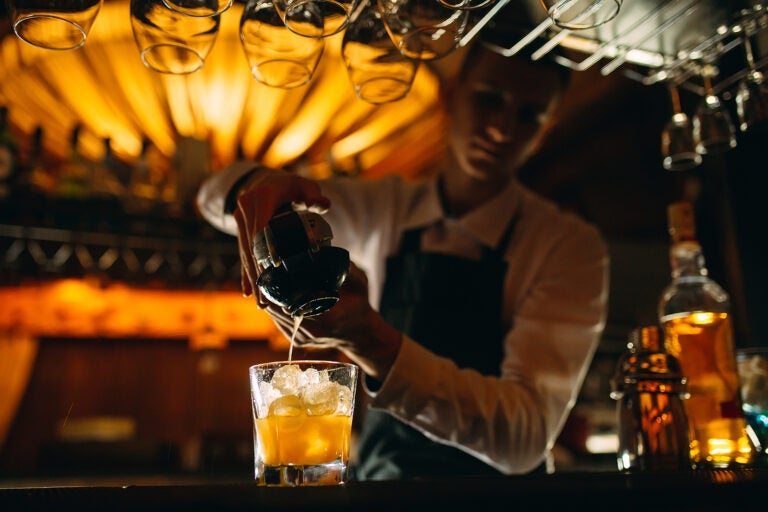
(452,306)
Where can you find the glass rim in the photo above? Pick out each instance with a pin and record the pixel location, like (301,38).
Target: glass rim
(303,362)
(746,351)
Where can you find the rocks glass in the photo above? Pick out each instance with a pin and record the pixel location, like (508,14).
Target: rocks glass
(302,413)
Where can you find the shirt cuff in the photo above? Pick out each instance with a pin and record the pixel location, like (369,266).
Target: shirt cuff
(212,195)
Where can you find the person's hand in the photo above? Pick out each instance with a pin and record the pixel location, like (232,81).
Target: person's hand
(351,326)
(259,198)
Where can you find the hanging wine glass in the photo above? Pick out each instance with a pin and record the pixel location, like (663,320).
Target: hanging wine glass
(316,18)
(677,143)
(170,42)
(199,8)
(752,92)
(423,29)
(581,14)
(277,56)
(467,5)
(378,71)
(713,128)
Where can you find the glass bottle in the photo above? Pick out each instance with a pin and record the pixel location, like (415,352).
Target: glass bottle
(37,179)
(144,184)
(75,173)
(694,312)
(650,388)
(105,184)
(8,153)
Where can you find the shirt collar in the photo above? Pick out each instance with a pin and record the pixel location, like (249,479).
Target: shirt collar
(486,224)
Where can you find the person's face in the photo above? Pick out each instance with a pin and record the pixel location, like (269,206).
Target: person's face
(499,111)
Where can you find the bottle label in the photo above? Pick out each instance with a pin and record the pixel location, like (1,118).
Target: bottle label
(731,409)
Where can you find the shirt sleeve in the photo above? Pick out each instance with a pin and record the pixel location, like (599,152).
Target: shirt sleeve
(212,195)
(510,422)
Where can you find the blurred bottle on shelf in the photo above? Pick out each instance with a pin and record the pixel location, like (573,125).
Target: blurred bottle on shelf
(192,163)
(106,191)
(8,155)
(694,312)
(105,184)
(75,172)
(144,185)
(36,177)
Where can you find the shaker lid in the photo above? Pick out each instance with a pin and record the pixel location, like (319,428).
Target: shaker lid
(645,361)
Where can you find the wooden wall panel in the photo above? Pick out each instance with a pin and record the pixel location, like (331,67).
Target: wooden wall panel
(192,404)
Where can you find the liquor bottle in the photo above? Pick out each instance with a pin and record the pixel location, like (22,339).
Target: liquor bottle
(144,184)
(694,312)
(649,388)
(8,155)
(105,184)
(75,173)
(106,191)
(36,178)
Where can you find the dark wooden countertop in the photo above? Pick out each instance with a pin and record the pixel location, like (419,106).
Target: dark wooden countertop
(721,490)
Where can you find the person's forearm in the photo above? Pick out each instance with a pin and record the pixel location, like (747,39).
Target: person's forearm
(374,348)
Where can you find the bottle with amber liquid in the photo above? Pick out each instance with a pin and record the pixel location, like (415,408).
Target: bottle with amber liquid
(694,312)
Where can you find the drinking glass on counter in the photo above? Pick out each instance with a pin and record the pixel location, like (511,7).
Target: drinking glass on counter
(752,365)
(302,413)
(169,41)
(54,24)
(277,56)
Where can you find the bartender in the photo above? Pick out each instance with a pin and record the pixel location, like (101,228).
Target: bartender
(473,305)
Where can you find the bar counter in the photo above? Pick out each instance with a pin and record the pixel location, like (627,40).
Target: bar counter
(721,490)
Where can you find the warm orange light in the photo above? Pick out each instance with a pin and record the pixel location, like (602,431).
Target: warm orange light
(82,308)
(105,86)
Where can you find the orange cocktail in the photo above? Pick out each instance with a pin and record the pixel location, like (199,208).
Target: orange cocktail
(303,439)
(302,414)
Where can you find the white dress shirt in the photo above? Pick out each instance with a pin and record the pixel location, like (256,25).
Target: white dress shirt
(555,306)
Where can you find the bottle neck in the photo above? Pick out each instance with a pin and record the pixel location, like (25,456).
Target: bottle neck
(687,260)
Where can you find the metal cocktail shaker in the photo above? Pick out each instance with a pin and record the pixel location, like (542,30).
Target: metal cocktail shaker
(649,388)
(302,272)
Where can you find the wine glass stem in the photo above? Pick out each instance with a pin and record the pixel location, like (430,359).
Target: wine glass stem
(750,56)
(674,96)
(708,85)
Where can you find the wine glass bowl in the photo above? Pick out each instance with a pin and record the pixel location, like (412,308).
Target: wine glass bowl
(677,143)
(379,73)
(713,129)
(53,24)
(752,92)
(752,101)
(467,4)
(171,42)
(316,18)
(199,8)
(277,56)
(581,14)
(423,29)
